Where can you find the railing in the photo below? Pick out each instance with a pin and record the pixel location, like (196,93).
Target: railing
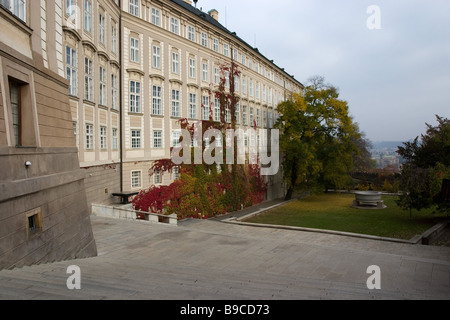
(131,214)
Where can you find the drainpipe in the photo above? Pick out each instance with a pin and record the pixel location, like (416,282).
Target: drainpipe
(120,97)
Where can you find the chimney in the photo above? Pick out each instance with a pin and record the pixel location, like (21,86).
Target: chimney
(214,14)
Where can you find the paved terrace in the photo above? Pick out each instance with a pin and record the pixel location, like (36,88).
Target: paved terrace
(213,260)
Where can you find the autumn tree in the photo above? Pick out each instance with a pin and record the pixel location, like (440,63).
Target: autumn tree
(317,138)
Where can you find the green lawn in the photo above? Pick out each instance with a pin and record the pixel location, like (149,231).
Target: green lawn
(334,212)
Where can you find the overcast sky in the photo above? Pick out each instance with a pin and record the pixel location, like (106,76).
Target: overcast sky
(395,79)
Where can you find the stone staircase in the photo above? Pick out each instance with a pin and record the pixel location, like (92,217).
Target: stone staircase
(204,260)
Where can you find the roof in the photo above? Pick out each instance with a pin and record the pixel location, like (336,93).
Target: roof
(206,17)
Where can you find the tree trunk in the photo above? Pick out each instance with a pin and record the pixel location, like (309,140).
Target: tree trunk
(291,188)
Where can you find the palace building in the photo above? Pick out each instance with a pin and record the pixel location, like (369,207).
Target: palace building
(136,67)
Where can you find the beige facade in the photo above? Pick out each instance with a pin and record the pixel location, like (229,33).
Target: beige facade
(165,57)
(44,215)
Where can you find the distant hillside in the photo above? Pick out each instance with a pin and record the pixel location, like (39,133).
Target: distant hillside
(387,145)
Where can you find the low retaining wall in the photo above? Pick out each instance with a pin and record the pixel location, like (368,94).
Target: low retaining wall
(116,212)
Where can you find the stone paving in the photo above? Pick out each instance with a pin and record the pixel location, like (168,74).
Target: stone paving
(212,260)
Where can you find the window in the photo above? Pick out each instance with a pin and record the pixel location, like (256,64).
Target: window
(244,86)
(243,59)
(34,221)
(88,16)
(156,17)
(103,138)
(216,45)
(176,112)
(251,88)
(191,33)
(252,117)
(237,114)
(264,93)
(257,91)
(226,50)
(244,115)
(235,54)
(113,39)
(134,50)
(103,83)
(135,139)
(71,70)
(236,83)
(89,136)
(205,72)
(157,101)
(176,173)
(135,97)
(17,7)
(264,119)
(114,92)
(192,68)
(216,76)
(135,179)
(88,79)
(205,107)
(157,139)
(174,25)
(70,8)
(176,139)
(115,139)
(156,58)
(227,79)
(204,39)
(175,63)
(134,7)
(227,113)
(250,63)
(192,106)
(258,118)
(16,112)
(157,177)
(101,28)
(217,110)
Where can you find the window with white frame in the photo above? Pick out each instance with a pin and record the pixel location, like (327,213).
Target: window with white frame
(251,88)
(101,28)
(88,16)
(204,39)
(244,116)
(264,119)
(156,57)
(174,25)
(244,85)
(157,139)
(134,50)
(235,54)
(192,68)
(216,109)
(134,7)
(113,38)
(156,100)
(114,92)
(216,76)
(115,139)
(236,83)
(135,139)
(176,173)
(238,113)
(103,84)
(176,112)
(175,63)
(135,96)
(216,45)
(205,72)
(89,136)
(156,17)
(227,113)
(103,138)
(226,50)
(257,91)
(71,70)
(135,179)
(205,107)
(157,177)
(191,33)
(250,63)
(243,57)
(176,139)
(270,120)
(252,117)
(227,79)
(192,106)
(258,118)
(88,79)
